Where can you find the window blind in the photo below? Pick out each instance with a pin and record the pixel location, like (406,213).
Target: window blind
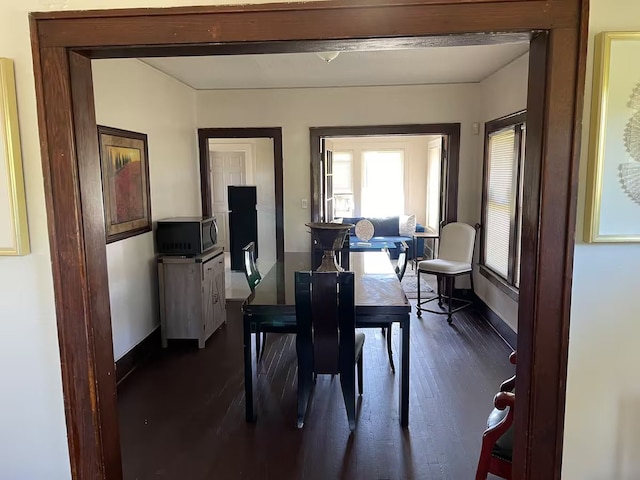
(500,195)
(342,172)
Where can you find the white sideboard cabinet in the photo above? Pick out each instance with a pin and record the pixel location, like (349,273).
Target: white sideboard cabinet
(192,296)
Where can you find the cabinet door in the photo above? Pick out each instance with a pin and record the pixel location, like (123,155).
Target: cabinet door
(208,296)
(219,300)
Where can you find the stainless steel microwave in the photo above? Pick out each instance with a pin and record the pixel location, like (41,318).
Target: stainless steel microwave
(188,236)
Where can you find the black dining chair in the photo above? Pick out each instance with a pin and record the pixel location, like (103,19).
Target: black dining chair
(327,342)
(253,279)
(400,269)
(275,324)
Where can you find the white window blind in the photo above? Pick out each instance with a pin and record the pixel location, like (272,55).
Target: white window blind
(500,195)
(342,172)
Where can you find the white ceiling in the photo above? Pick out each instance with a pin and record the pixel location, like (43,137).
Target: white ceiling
(461,64)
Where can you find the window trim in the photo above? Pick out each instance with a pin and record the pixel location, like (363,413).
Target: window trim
(493,126)
(496,279)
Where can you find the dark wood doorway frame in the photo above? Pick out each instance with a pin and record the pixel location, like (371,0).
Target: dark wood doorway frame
(449,130)
(275,133)
(65,42)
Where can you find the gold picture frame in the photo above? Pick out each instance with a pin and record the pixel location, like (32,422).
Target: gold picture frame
(612,205)
(14,231)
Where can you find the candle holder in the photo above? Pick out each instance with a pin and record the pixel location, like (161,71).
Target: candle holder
(329,237)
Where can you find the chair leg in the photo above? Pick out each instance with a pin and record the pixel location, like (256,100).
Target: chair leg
(347,382)
(471,281)
(258,346)
(484,462)
(450,284)
(306,377)
(360,370)
(264,343)
(389,351)
(419,311)
(439,281)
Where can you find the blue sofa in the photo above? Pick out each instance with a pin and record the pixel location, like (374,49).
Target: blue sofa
(384,230)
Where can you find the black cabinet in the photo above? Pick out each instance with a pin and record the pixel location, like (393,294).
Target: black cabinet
(243,222)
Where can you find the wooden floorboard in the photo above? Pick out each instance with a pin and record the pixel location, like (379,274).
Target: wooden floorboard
(182,413)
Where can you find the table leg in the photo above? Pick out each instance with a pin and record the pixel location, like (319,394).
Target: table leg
(415,253)
(250,413)
(404,373)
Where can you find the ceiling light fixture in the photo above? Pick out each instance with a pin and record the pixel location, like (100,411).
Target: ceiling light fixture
(328,56)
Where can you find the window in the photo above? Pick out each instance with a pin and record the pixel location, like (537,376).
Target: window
(343,184)
(383,183)
(502,197)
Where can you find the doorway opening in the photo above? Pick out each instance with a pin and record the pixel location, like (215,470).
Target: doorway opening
(65,42)
(431,187)
(260,151)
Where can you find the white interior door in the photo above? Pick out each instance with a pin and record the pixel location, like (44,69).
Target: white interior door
(327,180)
(434,157)
(227,168)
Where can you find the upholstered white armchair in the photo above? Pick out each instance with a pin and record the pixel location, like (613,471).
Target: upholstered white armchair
(455,258)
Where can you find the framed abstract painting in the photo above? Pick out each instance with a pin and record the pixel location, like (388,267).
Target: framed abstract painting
(612,212)
(124,162)
(14,232)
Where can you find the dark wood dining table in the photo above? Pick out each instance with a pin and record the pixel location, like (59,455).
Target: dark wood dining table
(379,300)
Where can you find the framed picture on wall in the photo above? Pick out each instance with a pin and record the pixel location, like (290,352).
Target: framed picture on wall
(124,163)
(612,212)
(14,233)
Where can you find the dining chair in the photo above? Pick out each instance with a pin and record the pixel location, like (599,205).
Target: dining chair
(496,453)
(327,342)
(400,269)
(253,277)
(455,256)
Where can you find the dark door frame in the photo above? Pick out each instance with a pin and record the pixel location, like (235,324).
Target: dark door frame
(450,130)
(63,45)
(275,133)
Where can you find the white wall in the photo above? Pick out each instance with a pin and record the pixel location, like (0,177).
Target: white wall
(415,166)
(33,441)
(602,423)
(265,181)
(503,93)
(295,110)
(134,96)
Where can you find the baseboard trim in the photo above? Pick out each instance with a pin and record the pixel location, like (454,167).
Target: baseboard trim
(148,346)
(500,326)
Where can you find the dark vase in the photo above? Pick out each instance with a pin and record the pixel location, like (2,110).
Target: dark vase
(329,237)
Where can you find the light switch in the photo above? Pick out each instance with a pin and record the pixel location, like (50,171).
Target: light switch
(305,203)
(476,128)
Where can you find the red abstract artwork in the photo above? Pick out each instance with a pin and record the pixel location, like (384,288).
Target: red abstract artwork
(127,201)
(125,183)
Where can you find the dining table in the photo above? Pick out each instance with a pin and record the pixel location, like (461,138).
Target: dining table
(379,299)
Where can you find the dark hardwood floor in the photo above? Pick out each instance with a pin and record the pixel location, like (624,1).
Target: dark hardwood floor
(182,413)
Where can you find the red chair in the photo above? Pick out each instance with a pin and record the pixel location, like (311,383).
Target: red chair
(496,454)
